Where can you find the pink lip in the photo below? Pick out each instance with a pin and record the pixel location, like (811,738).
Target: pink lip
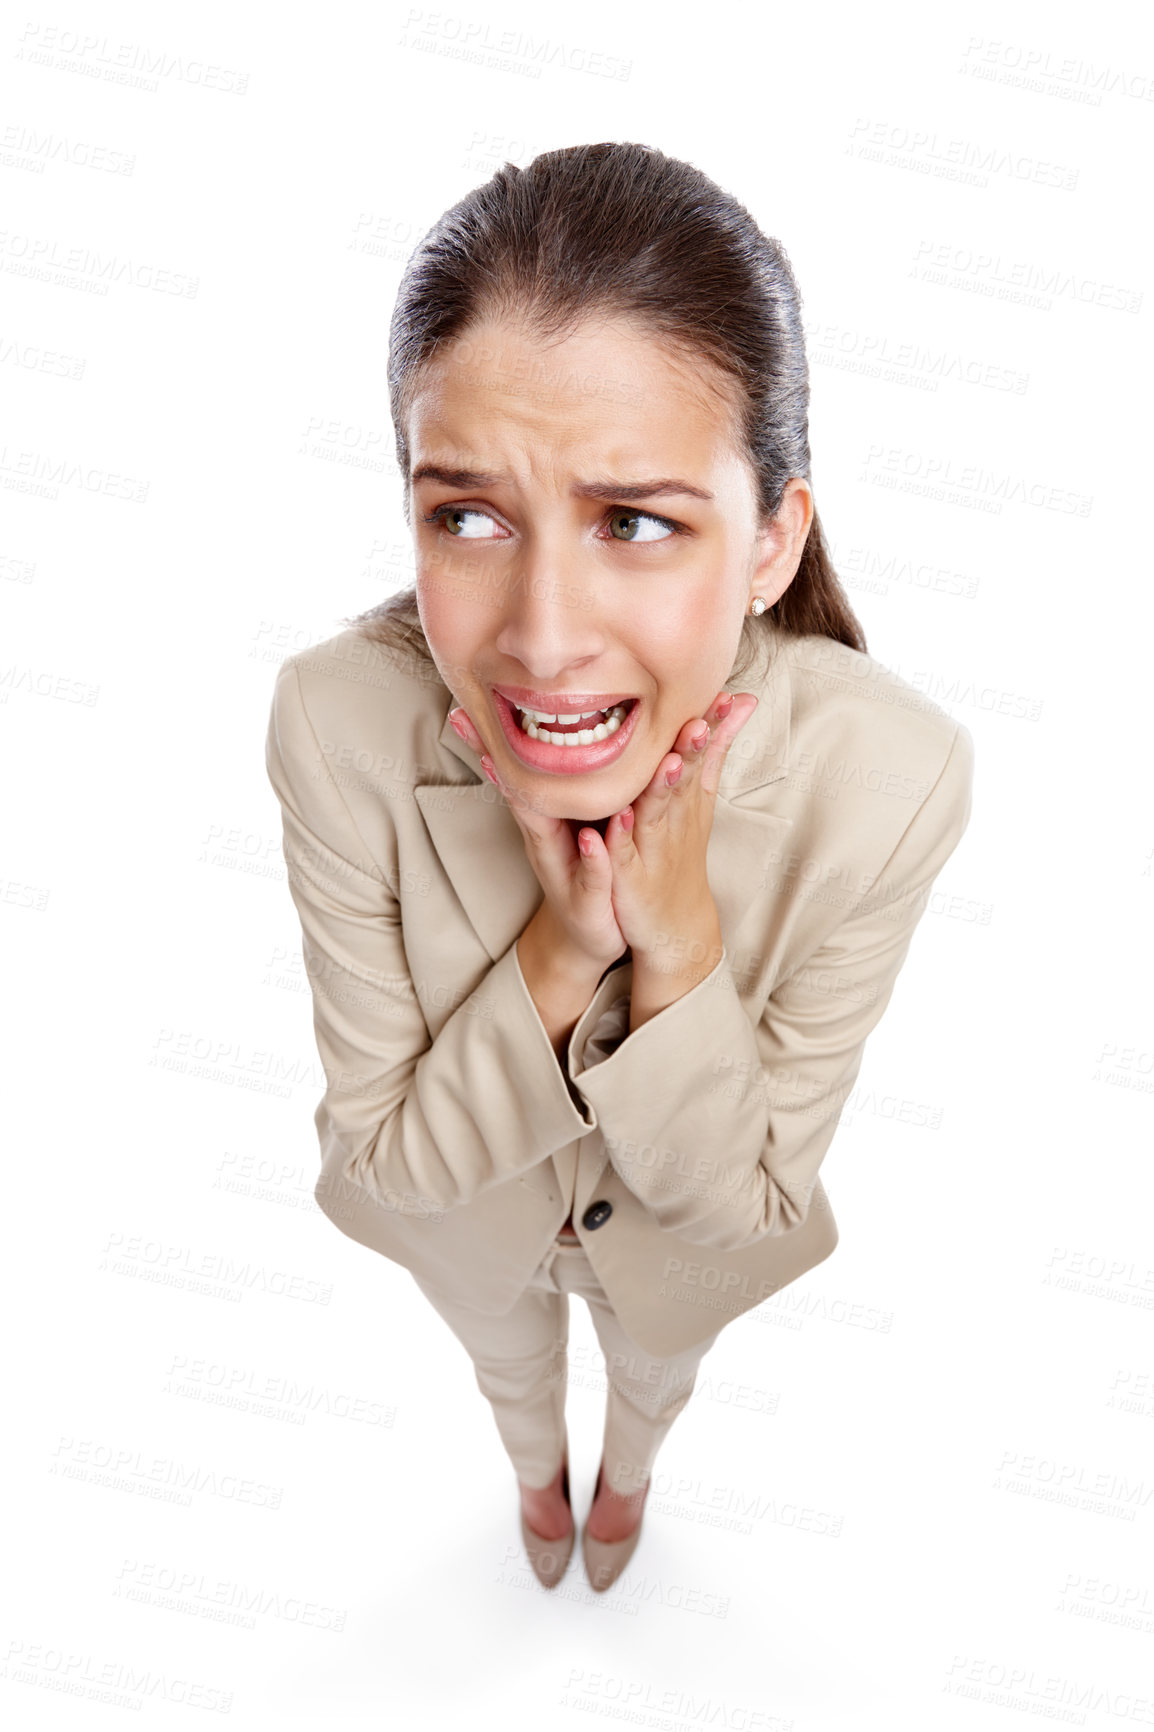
(566,704)
(563,760)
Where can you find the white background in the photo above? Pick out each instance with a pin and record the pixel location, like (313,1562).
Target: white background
(940,1439)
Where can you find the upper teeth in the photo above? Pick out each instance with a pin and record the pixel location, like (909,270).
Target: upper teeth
(543,715)
(535,723)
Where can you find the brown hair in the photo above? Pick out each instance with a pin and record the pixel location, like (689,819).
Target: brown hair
(622,229)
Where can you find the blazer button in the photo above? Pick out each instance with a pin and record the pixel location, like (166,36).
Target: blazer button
(597,1214)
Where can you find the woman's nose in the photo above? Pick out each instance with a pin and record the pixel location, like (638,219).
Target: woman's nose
(551,618)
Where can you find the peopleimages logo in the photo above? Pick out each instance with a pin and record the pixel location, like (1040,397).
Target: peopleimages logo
(898,146)
(947,265)
(474,39)
(1067,76)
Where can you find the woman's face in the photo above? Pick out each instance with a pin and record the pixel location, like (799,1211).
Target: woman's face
(585,530)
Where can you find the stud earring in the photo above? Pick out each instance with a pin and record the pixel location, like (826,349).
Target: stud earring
(757,605)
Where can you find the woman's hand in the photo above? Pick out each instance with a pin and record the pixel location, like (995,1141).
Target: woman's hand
(577,886)
(645,885)
(657,848)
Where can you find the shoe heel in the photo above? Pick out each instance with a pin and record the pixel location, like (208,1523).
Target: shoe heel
(550,1558)
(605,1559)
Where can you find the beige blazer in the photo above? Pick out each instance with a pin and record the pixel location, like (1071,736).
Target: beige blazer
(452,1139)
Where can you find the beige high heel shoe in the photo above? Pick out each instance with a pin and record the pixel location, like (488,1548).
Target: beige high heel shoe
(550,1558)
(605,1559)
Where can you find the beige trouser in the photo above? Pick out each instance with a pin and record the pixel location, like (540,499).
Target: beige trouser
(521,1362)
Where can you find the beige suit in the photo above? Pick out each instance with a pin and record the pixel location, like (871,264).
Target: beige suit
(452,1139)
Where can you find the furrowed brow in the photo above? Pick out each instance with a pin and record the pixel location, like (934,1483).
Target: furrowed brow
(638,489)
(610,490)
(455,477)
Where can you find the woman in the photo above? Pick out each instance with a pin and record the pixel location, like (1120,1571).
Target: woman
(589,1011)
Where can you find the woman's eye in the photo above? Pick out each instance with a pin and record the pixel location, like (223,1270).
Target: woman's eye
(456,521)
(467,523)
(630,522)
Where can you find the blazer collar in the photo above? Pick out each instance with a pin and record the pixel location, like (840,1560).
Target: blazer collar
(472,828)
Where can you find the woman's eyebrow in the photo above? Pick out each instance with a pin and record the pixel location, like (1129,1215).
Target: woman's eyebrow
(583,489)
(638,489)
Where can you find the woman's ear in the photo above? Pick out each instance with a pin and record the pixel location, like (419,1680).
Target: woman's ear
(782,542)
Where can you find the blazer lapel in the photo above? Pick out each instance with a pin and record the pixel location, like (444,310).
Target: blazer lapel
(472,830)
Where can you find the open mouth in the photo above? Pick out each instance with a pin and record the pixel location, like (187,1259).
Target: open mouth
(571,747)
(579,731)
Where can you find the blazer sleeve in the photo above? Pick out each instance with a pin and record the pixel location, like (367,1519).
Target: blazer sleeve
(719,1126)
(432,1121)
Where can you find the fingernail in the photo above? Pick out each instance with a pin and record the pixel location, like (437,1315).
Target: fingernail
(585,843)
(456,724)
(672,776)
(698,740)
(487,766)
(627,818)
(723,703)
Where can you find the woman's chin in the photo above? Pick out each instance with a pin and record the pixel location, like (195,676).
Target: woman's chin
(579,824)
